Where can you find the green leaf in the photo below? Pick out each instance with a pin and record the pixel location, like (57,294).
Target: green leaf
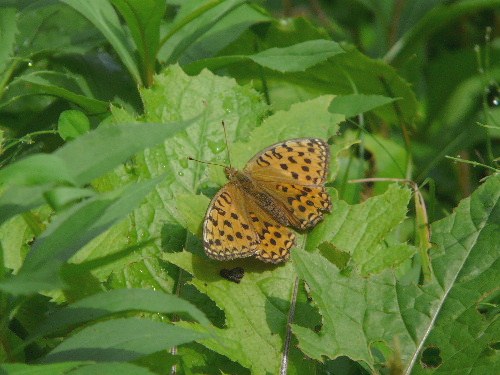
(143,19)
(101,150)
(111,369)
(103,17)
(409,319)
(256,309)
(68,233)
(115,301)
(78,162)
(121,340)
(298,57)
(191,24)
(24,369)
(72,124)
(37,170)
(224,32)
(369,223)
(63,85)
(8,30)
(355,104)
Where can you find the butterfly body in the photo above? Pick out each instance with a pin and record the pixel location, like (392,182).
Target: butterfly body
(280,187)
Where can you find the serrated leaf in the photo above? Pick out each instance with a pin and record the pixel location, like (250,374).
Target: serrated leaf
(359,230)
(409,318)
(256,308)
(121,340)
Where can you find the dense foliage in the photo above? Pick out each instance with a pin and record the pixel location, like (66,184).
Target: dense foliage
(102,265)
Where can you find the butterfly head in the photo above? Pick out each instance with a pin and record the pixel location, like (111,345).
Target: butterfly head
(230,172)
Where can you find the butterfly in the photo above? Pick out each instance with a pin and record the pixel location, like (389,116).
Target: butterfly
(282,186)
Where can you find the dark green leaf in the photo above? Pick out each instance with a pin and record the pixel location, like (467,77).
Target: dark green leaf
(72,124)
(115,301)
(355,104)
(121,340)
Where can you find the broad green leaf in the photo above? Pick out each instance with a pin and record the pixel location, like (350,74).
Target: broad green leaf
(72,124)
(409,319)
(8,29)
(35,170)
(355,104)
(115,301)
(295,58)
(360,230)
(103,17)
(62,85)
(121,340)
(70,231)
(101,150)
(143,19)
(19,199)
(298,57)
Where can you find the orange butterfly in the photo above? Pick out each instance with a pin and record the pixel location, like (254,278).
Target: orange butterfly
(281,186)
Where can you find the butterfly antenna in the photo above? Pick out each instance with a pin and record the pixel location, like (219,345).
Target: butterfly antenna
(206,162)
(227,144)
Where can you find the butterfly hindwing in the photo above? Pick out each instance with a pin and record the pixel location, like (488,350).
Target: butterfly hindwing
(275,240)
(227,230)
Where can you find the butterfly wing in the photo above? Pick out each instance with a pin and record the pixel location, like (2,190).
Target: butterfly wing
(227,230)
(294,173)
(275,240)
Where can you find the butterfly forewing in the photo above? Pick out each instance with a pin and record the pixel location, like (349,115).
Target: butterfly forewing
(294,173)
(227,230)
(297,161)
